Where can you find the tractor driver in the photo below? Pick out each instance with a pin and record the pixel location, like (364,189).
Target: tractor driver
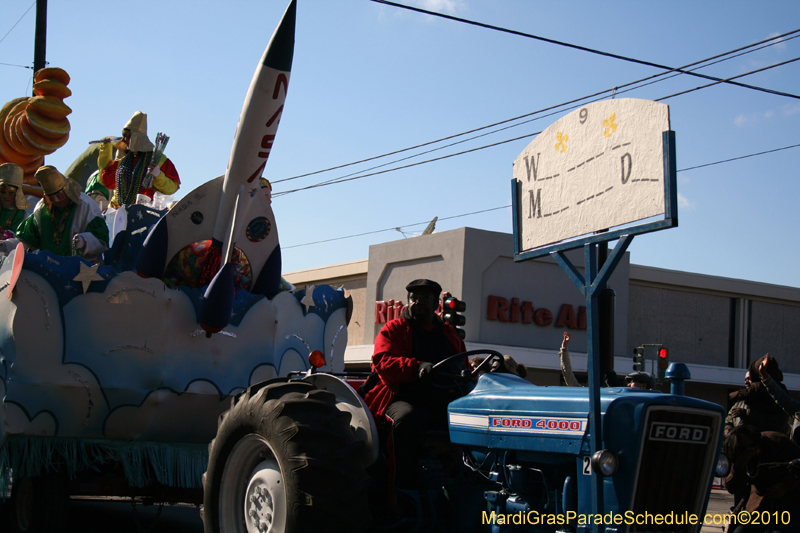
(404,400)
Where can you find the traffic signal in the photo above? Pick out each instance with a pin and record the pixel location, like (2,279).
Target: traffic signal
(638,359)
(663,363)
(451,307)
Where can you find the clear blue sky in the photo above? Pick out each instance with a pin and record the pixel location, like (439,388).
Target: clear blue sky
(369,79)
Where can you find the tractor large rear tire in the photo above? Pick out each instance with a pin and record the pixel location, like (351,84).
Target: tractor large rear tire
(284,461)
(38,504)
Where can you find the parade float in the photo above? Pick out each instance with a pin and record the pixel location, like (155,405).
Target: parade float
(113,376)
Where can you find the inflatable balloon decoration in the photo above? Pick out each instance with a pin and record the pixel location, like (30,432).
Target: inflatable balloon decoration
(36,126)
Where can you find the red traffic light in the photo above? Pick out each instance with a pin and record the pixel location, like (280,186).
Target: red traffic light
(454,304)
(450,308)
(663,357)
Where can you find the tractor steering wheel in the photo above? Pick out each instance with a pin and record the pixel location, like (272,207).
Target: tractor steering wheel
(468,375)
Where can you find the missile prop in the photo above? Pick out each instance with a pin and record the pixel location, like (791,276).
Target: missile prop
(208,210)
(215,308)
(258,123)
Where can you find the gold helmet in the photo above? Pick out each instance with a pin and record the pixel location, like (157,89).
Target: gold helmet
(11,174)
(53,181)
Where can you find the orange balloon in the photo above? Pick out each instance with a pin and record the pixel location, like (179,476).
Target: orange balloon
(51,88)
(8,129)
(38,141)
(46,126)
(50,106)
(52,73)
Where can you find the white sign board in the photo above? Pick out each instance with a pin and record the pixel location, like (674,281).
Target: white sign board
(599,167)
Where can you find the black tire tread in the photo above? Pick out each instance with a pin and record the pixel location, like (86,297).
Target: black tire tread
(318,452)
(50,505)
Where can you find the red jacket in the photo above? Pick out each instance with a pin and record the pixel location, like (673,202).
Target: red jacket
(395,364)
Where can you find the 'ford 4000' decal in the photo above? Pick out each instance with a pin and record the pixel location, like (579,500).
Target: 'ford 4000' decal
(521,424)
(525,424)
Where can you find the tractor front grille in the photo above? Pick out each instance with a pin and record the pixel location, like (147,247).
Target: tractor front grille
(675,466)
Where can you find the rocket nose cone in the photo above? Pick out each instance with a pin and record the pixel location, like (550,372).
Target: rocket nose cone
(280,49)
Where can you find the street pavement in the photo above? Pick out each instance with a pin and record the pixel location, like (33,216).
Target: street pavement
(122,517)
(720,503)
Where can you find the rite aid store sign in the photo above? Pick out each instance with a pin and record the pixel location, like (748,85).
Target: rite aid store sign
(504,310)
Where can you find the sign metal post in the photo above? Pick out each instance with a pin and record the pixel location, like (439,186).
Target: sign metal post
(619,177)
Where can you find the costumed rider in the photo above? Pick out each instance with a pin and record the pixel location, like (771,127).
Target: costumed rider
(765,467)
(403,400)
(97,191)
(13,200)
(66,221)
(641,380)
(129,175)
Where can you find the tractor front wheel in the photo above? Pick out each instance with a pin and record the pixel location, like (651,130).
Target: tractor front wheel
(285,460)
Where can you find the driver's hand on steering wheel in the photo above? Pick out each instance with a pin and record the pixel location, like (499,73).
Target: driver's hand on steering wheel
(424,369)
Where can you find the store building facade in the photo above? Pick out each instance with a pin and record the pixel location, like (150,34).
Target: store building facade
(715,325)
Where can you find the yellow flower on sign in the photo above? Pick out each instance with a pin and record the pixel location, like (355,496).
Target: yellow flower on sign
(561,145)
(609,126)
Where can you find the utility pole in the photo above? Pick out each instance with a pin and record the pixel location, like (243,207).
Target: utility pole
(40,38)
(606,303)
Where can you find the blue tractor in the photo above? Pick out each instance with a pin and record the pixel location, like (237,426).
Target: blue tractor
(523,452)
(660,454)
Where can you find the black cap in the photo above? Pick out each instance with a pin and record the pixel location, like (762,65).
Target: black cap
(424,285)
(642,377)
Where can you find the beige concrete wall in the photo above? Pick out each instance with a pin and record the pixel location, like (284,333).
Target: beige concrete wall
(705,321)
(774,329)
(696,328)
(393,265)
(473,264)
(710,320)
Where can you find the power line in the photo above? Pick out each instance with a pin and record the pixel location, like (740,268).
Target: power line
(17,22)
(578,47)
(697,65)
(731,78)
(738,158)
(406,166)
(351,178)
(726,58)
(12,65)
(437,140)
(396,227)
(507,206)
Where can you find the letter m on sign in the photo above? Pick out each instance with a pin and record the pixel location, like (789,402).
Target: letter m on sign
(535,204)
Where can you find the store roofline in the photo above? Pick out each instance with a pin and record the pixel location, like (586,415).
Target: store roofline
(675,279)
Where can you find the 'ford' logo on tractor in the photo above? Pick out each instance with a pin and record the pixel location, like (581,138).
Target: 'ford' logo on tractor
(679,432)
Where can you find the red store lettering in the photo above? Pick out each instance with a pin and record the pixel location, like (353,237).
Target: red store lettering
(499,309)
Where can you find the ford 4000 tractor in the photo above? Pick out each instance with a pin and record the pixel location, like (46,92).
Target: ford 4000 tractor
(304,453)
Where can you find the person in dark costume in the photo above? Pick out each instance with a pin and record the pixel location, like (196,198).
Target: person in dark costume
(766,467)
(12,199)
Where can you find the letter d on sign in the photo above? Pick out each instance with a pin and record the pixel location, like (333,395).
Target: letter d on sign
(626,175)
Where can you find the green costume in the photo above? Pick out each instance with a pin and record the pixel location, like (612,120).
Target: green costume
(10,219)
(95,185)
(53,231)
